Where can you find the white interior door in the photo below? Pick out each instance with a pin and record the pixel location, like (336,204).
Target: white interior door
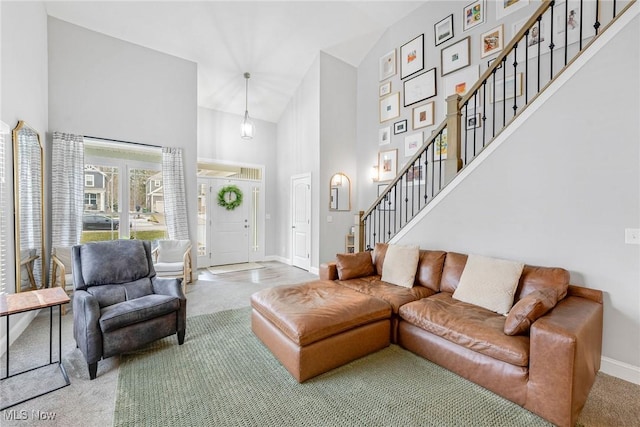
(230,228)
(301,221)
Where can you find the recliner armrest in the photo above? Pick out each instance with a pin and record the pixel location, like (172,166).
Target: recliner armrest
(86,326)
(328,271)
(168,286)
(564,358)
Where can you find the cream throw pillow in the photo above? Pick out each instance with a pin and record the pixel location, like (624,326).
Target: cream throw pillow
(489,282)
(400,264)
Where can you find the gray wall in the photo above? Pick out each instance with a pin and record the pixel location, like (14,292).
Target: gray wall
(104,87)
(559,192)
(23,86)
(219,139)
(298,151)
(337,149)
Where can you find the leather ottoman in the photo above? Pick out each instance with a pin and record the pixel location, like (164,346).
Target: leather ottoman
(317,326)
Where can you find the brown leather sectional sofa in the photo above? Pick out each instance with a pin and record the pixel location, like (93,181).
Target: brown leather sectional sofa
(548,369)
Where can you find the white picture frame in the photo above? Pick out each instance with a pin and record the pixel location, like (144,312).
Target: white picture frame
(474,14)
(387,65)
(387,164)
(384,135)
(456,56)
(506,7)
(412,143)
(385,89)
(389,107)
(423,115)
(460,82)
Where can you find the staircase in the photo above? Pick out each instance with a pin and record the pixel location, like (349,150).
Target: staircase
(527,66)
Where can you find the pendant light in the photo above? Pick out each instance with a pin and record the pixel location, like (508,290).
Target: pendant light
(247,129)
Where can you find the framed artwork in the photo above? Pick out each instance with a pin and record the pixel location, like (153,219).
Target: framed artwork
(507,86)
(420,87)
(538,34)
(567,15)
(492,41)
(415,175)
(384,136)
(412,143)
(390,107)
(423,115)
(440,146)
(387,164)
(459,83)
(400,127)
(387,66)
(473,15)
(443,30)
(456,56)
(387,203)
(385,89)
(473,121)
(505,7)
(412,57)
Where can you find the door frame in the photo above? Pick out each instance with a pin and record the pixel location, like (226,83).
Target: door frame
(257,251)
(307,177)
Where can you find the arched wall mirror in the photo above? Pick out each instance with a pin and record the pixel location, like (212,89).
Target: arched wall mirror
(340,193)
(29,208)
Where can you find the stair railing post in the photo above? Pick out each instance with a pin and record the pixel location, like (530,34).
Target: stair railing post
(453,163)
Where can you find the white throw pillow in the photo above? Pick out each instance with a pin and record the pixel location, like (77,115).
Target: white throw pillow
(400,264)
(489,283)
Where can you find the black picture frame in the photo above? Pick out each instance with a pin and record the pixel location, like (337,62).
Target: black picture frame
(443,30)
(400,127)
(420,87)
(412,51)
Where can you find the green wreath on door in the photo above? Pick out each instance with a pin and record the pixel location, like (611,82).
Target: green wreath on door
(230,197)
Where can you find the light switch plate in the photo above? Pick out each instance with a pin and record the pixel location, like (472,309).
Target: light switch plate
(632,236)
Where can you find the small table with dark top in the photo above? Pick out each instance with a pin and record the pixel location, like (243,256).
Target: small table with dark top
(36,300)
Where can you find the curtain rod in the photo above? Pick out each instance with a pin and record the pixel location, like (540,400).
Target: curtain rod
(118,140)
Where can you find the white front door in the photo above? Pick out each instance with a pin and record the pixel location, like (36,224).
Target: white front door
(230,227)
(301,221)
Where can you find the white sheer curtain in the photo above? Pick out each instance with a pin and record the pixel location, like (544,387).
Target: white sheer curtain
(175,201)
(67,189)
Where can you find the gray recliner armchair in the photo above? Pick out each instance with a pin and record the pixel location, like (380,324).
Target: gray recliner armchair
(119,304)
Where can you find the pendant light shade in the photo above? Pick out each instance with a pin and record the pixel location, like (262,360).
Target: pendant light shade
(247,129)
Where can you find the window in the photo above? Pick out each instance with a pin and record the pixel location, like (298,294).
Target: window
(4,209)
(89,180)
(125,200)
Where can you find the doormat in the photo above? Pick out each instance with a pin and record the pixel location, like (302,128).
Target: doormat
(230,268)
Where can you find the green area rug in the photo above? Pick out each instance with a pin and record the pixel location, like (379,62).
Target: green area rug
(224,376)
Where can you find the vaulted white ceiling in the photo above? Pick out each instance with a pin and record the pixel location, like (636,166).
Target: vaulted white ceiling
(275,41)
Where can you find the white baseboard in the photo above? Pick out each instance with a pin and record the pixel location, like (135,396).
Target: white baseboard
(18,323)
(620,370)
(314,270)
(278,259)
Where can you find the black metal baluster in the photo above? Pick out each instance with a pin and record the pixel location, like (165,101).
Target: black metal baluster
(580,32)
(596,25)
(504,91)
(493,106)
(395,202)
(426,168)
(515,79)
(475,120)
(466,131)
(433,168)
(566,33)
(551,45)
(484,112)
(526,67)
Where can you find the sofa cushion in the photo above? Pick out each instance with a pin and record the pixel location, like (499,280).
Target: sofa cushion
(115,261)
(489,283)
(429,272)
(537,278)
(453,266)
(400,264)
(467,325)
(396,296)
(137,310)
(108,294)
(528,309)
(378,255)
(165,268)
(351,266)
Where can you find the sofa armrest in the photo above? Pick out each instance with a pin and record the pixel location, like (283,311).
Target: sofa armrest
(566,347)
(328,271)
(86,326)
(172,287)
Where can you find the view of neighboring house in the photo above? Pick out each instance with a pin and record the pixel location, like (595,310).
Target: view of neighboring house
(95,189)
(155,194)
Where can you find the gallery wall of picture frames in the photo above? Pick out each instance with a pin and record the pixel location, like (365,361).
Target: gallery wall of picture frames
(465,42)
